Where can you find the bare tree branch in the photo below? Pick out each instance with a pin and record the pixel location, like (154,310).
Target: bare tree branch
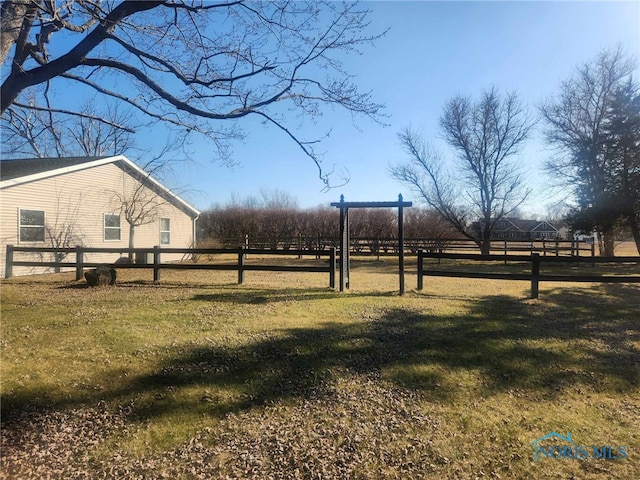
(192,64)
(76,114)
(577,123)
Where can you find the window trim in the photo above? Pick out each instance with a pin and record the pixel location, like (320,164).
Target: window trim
(43,226)
(168,232)
(105,227)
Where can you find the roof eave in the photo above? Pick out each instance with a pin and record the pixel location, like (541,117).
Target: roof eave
(144,176)
(59,171)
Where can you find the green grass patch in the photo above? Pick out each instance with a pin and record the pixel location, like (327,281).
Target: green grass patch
(284,378)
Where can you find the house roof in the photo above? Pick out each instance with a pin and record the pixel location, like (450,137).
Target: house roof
(22,167)
(529,225)
(19,171)
(516,224)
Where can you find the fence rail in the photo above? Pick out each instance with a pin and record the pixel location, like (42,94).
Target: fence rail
(534,276)
(381,246)
(239,265)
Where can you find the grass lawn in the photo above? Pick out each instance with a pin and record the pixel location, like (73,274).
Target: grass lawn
(197,377)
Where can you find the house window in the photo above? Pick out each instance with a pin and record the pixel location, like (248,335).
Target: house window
(32,226)
(111,227)
(165,231)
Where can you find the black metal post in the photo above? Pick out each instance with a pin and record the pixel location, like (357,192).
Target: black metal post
(344,246)
(240,265)
(332,267)
(347,250)
(420,269)
(400,245)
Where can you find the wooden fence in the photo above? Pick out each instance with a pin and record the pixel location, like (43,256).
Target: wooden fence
(534,276)
(389,246)
(240,265)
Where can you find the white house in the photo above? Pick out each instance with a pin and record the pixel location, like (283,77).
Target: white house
(64,202)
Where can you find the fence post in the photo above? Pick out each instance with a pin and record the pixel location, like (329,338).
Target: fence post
(240,265)
(420,269)
(506,252)
(56,261)
(79,262)
(156,263)
(8,262)
(535,274)
(332,267)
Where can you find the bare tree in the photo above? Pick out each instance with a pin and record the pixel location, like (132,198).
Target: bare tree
(486,184)
(140,200)
(62,231)
(622,148)
(186,63)
(276,199)
(577,121)
(108,134)
(427,226)
(34,132)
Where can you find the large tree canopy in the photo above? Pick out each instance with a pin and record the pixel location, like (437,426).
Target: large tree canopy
(593,124)
(187,63)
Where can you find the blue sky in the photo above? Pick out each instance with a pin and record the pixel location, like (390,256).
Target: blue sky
(433,51)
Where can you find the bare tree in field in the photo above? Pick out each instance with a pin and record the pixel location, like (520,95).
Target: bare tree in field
(622,146)
(194,66)
(485,184)
(593,124)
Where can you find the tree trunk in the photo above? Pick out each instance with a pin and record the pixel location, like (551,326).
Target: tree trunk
(12,18)
(485,242)
(607,243)
(132,231)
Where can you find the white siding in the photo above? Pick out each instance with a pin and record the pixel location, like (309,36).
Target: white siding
(81,199)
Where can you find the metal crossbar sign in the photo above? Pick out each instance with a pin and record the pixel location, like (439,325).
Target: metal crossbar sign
(345,240)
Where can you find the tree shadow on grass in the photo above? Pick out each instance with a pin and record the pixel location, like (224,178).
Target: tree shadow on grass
(270,295)
(542,347)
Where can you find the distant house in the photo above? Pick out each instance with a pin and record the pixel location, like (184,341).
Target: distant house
(511,228)
(63,202)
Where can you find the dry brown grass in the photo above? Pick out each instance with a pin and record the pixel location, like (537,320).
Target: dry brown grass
(626,249)
(280,378)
